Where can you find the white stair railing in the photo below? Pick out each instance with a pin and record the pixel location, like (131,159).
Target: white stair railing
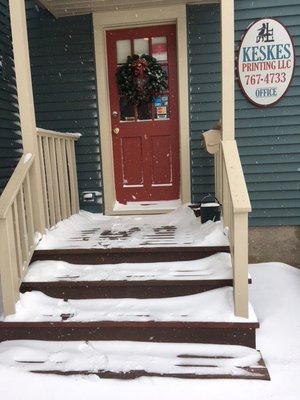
(59,176)
(231,191)
(18,229)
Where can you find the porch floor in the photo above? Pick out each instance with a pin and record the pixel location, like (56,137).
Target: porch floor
(92,231)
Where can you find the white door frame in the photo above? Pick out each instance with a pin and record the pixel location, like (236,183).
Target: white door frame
(104,21)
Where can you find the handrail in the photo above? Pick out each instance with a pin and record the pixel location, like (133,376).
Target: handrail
(237,184)
(55,134)
(19,230)
(231,190)
(12,188)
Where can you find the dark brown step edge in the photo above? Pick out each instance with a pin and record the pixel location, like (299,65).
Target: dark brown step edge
(241,333)
(257,373)
(121,289)
(134,255)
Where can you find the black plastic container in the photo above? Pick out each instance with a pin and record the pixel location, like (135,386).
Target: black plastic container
(210,209)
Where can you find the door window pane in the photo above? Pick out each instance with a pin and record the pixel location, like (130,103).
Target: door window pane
(141,46)
(123,51)
(144,111)
(127,110)
(165,68)
(159,48)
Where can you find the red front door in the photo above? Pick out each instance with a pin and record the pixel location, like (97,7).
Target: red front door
(145,136)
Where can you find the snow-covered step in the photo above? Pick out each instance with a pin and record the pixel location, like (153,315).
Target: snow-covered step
(213,306)
(200,318)
(217,266)
(128,255)
(95,231)
(126,360)
(138,280)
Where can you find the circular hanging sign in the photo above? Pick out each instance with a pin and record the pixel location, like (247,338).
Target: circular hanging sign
(266,61)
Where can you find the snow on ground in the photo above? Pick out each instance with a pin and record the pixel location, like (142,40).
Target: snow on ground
(275,295)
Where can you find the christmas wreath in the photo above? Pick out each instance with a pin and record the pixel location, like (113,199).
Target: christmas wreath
(141,79)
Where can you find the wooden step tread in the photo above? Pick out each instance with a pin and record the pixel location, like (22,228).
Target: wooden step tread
(124,289)
(215,305)
(191,332)
(127,360)
(138,280)
(128,255)
(217,266)
(206,317)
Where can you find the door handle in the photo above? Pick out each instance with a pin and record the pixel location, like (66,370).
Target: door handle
(116,130)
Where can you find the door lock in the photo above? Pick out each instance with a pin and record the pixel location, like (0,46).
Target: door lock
(116,131)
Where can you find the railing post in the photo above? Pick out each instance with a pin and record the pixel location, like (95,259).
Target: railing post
(26,104)
(218,162)
(240,264)
(9,279)
(73,177)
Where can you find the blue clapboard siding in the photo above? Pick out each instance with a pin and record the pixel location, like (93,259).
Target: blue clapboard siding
(10,139)
(269,139)
(204,81)
(64,86)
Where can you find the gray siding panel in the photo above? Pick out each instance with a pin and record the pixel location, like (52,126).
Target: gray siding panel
(10,137)
(204,80)
(64,85)
(269,139)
